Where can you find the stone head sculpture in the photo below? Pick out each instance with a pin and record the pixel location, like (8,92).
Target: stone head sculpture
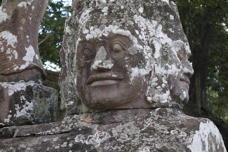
(121,55)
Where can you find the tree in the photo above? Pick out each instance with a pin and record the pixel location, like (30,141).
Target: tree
(51,30)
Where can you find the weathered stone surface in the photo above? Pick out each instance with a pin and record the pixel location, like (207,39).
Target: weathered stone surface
(21,99)
(19,26)
(151,49)
(159,130)
(27,103)
(157,55)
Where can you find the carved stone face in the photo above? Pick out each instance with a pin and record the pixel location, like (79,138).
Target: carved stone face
(133,56)
(105,81)
(179,84)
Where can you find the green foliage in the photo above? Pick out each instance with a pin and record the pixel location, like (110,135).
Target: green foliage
(51,31)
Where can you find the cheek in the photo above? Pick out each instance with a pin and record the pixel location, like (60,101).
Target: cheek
(120,66)
(82,76)
(84,70)
(136,60)
(139,84)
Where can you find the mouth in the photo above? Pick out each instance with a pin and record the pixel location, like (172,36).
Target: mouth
(104,79)
(185,79)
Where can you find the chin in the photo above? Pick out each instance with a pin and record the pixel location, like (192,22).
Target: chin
(184,96)
(105,103)
(179,90)
(181,94)
(107,97)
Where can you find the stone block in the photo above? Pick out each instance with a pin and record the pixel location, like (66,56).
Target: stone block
(27,103)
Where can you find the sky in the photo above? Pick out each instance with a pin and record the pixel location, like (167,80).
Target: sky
(66,2)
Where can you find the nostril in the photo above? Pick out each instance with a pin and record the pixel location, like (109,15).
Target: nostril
(188,73)
(102,65)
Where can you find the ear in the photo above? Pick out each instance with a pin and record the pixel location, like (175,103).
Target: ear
(78,5)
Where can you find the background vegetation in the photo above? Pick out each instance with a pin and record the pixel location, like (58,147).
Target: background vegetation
(205,24)
(51,30)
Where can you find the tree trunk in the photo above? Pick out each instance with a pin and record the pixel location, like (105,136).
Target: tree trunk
(197,101)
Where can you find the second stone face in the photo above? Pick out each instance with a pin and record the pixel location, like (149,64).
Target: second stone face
(27,103)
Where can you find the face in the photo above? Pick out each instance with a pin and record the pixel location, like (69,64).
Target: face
(109,72)
(180,84)
(104,81)
(169,83)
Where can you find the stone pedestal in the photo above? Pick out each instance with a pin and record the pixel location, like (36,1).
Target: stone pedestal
(159,130)
(27,103)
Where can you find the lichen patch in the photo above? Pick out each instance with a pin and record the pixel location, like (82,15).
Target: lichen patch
(3,15)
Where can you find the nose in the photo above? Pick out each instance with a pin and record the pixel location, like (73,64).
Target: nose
(102,61)
(188,70)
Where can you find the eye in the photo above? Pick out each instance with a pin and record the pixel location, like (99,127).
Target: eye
(117,47)
(88,54)
(182,55)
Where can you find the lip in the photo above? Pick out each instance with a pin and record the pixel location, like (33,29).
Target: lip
(104,79)
(103,83)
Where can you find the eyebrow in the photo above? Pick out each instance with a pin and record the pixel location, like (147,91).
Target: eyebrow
(120,41)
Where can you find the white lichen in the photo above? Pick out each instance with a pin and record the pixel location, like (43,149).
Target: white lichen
(30,54)
(11,53)
(67,30)
(207,138)
(10,38)
(24,4)
(24,110)
(3,15)
(28,58)
(137,72)
(85,17)
(96,33)
(107,64)
(166,1)
(152,31)
(96,139)
(105,10)
(141,10)
(171,17)
(16,86)
(8,118)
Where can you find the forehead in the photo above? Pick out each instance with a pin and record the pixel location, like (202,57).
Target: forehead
(110,38)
